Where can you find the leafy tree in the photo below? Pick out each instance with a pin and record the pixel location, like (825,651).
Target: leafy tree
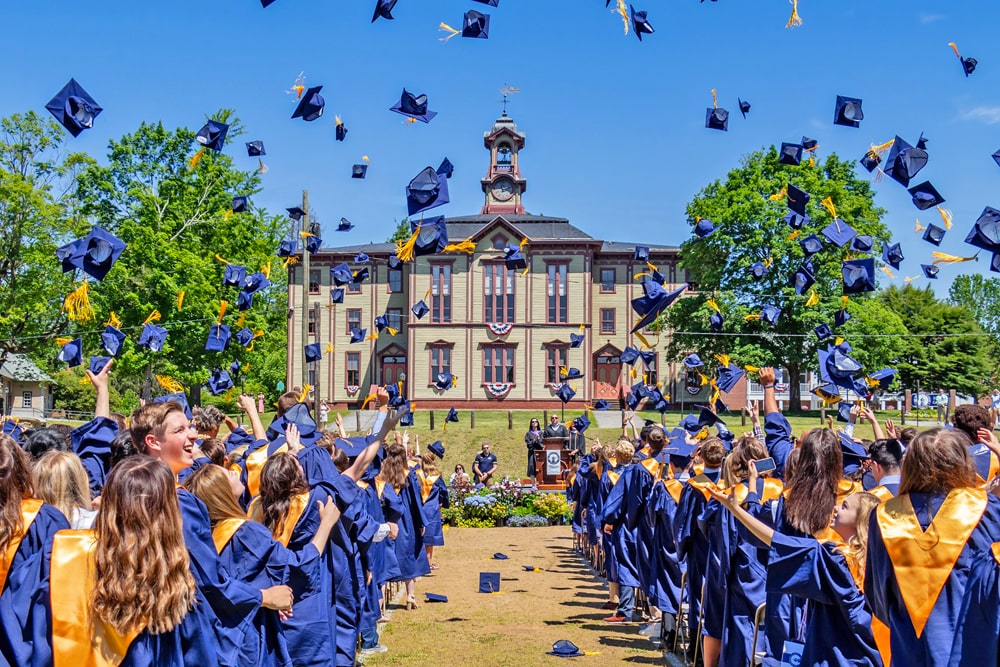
(945,348)
(402,231)
(37,215)
(981,296)
(177,221)
(749,228)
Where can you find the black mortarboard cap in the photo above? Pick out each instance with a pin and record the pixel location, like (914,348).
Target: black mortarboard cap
(641,253)
(360,275)
(255,282)
(310,105)
(797,199)
(717,118)
(848,112)
(565,393)
(452,416)
(707,418)
(639,23)
(434,597)
(437,448)
(152,337)
(884,377)
(744,107)
(564,648)
(97,252)
(728,376)
(446,168)
(239,204)
(823,331)
(97,364)
(715,322)
(655,301)
(212,135)
(925,196)
(858,275)
(394,262)
(358,335)
(287,248)
(489,582)
(809,144)
(930,270)
(381,322)
(576,340)
(803,278)
(255,149)
(341,274)
(65,255)
(313,352)
(934,234)
(413,106)
(313,244)
(870,160)
(111,340)
(383,8)
(582,423)
(218,338)
(810,245)
(985,233)
(841,317)
(790,153)
(234,275)
(295,213)
(72,353)
(892,254)
(219,381)
(433,236)
(574,373)
(337,295)
(513,259)
(180,398)
(425,191)
(74,108)
(839,232)
(904,161)
(340,131)
(420,309)
(476,25)
(359,170)
(862,243)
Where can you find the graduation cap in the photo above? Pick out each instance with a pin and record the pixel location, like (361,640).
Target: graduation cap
(499,556)
(337,295)
(822,331)
(255,282)
(179,398)
(744,107)
(341,274)
(234,275)
(310,105)
(491,3)
(870,160)
(434,597)
(513,259)
(413,106)
(985,233)
(218,338)
(704,228)
(693,361)
(383,8)
(152,337)
(925,196)
(212,135)
(476,25)
(803,278)
(930,270)
(796,221)
(111,340)
(575,374)
(420,309)
(359,170)
(715,322)
(892,254)
(13,429)
(859,275)
(770,315)
(244,336)
(489,582)
(839,232)
(655,301)
(97,364)
(446,168)
(407,418)
(452,416)
(72,352)
(639,23)
(219,381)
(809,144)
(728,376)
(934,234)
(313,244)
(841,317)
(94,436)
(600,404)
(358,335)
(848,112)
(630,355)
(394,262)
(299,415)
(313,352)
(790,154)
(426,190)
(531,568)
(968,64)
(381,323)
(797,199)
(432,237)
(437,448)
(679,450)
(65,255)
(854,453)
(995,263)
(707,418)
(576,340)
(445,381)
(361,258)
(287,248)
(295,213)
(904,161)
(340,130)
(829,392)
(255,149)
(239,204)
(844,414)
(717,118)
(74,108)
(862,243)
(883,377)
(810,245)
(582,423)
(565,393)
(836,367)
(95,253)
(641,253)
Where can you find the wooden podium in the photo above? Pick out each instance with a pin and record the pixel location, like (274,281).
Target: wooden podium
(552,455)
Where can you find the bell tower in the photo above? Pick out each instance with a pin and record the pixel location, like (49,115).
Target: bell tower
(503,185)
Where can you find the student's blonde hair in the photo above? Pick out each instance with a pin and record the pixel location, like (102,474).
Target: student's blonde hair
(61,481)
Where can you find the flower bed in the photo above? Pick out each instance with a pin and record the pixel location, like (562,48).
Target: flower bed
(505,503)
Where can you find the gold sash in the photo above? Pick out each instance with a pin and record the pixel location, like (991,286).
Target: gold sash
(571,480)
(614,476)
(772,490)
(654,467)
(995,548)
(224,531)
(29,510)
(703,483)
(379,486)
(674,488)
(255,464)
(881,493)
(923,560)
(846,487)
(77,640)
(426,484)
(296,505)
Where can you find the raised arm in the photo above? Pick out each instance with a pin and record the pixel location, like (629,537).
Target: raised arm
(766,376)
(102,406)
(759,529)
(365,458)
(245,401)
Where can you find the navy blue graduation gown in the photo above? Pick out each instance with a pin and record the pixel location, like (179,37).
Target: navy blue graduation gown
(409,545)
(604,488)
(712,522)
(934,646)
(624,510)
(778,440)
(692,546)
(590,498)
(25,615)
(436,499)
(665,570)
(191,644)
(838,625)
(978,629)
(392,512)
(95,452)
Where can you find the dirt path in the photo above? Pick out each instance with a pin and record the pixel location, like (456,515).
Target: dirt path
(519,625)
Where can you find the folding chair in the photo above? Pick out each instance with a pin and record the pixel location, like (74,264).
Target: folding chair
(681,617)
(701,623)
(757,657)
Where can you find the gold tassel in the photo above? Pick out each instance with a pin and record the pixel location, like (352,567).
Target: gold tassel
(373,335)
(180,300)
(828,205)
(366,160)
(444,26)
(306,235)
(228,214)
(196,158)
(266,270)
(944,258)
(223,305)
(291,259)
(794,235)
(367,400)
(427,293)
(261,167)
(917,227)
(243,318)
(794,20)
(748,318)
(224,261)
(751,369)
(329,348)
(954,47)
(910,279)
(305,393)
(623,12)
(170,384)
(812,160)
(715,100)
(466,246)
(77,304)
(778,196)
(404,250)
(525,272)
(299,87)
(643,340)
(704,379)
(113,321)
(838,340)
(843,303)
(713,305)
(524,242)
(723,359)
(62,340)
(812,300)
(153,317)
(888,272)
(945,216)
(640,275)
(392,332)
(632,372)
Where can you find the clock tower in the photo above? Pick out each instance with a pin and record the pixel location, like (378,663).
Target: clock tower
(503,185)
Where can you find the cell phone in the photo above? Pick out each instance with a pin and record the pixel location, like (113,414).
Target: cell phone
(764,465)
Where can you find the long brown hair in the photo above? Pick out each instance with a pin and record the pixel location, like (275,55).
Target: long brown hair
(429,464)
(812,491)
(15,486)
(210,484)
(395,470)
(737,465)
(61,481)
(143,575)
(937,461)
(857,546)
(280,480)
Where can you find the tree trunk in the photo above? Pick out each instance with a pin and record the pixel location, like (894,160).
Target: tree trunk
(794,393)
(194,393)
(147,383)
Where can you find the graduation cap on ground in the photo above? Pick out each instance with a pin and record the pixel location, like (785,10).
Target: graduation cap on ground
(489,582)
(435,597)
(848,112)
(704,228)
(413,106)
(71,352)
(341,274)
(839,232)
(744,107)
(810,245)
(655,301)
(717,118)
(934,234)
(985,233)
(311,105)
(796,199)
(218,338)
(437,448)
(180,398)
(212,135)
(359,170)
(892,254)
(499,556)
(340,130)
(446,168)
(295,213)
(513,259)
(930,270)
(445,381)
(640,24)
(531,568)
(95,253)
(425,191)
(770,315)
(823,331)
(574,373)
(790,154)
(858,275)
(234,275)
(111,340)
(630,355)
(693,361)
(420,309)
(576,340)
(74,108)
(255,149)
(97,364)
(476,25)
(383,8)
(565,393)
(904,161)
(313,352)
(925,196)
(152,337)
(803,278)
(728,376)
(219,381)
(600,404)
(862,243)
(358,335)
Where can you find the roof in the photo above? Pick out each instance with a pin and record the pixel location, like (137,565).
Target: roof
(368,248)
(535,227)
(620,246)
(20,368)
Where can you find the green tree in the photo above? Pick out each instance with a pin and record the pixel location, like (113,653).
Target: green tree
(402,231)
(981,296)
(37,215)
(177,221)
(750,228)
(945,347)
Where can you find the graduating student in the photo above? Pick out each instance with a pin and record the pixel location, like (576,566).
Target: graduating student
(589,478)
(922,545)
(969,419)
(609,477)
(434,494)
(777,430)
(624,511)
(408,546)
(886,457)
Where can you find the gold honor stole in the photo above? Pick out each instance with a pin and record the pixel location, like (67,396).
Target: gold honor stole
(846,487)
(426,484)
(654,467)
(614,476)
(674,488)
(79,640)
(29,510)
(571,480)
(379,486)
(224,531)
(772,491)
(296,506)
(703,483)
(255,464)
(881,493)
(923,560)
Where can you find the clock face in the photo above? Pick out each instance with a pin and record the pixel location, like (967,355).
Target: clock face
(503,189)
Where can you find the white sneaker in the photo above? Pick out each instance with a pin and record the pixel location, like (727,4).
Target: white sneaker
(378,648)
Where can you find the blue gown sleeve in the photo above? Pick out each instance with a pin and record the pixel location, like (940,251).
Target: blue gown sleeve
(93,446)
(879,573)
(442,490)
(392,505)
(803,567)
(778,439)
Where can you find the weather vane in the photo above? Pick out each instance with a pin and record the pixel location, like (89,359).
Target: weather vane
(507,91)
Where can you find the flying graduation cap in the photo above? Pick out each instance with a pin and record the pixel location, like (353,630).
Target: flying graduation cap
(446,168)
(95,253)
(904,161)
(640,24)
(476,25)
(968,64)
(212,135)
(925,196)
(985,233)
(413,106)
(420,309)
(112,340)
(934,234)
(892,254)
(858,275)
(426,190)
(340,129)
(311,105)
(219,381)
(383,9)
(744,107)
(74,108)
(71,352)
(848,112)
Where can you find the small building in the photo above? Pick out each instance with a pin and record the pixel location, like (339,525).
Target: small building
(24,388)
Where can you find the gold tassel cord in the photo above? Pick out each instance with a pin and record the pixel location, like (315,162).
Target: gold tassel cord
(466,246)
(794,20)
(748,318)
(910,279)
(196,158)
(642,339)
(223,306)
(243,318)
(299,87)
(715,100)
(113,320)
(224,261)
(812,300)
(621,10)
(404,250)
(524,242)
(954,47)
(829,206)
(77,304)
(713,305)
(447,28)
(887,271)
(945,217)
(180,300)
(153,317)
(170,384)
(366,160)
(778,196)
(62,340)
(305,393)
(723,359)
(917,227)
(944,258)
(751,369)
(261,168)
(329,348)
(228,214)
(266,270)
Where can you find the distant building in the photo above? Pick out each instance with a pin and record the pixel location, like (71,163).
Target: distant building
(503,334)
(23,388)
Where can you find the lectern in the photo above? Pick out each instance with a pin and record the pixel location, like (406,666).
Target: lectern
(551,461)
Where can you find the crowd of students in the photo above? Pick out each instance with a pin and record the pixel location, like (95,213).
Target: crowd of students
(844,552)
(150,541)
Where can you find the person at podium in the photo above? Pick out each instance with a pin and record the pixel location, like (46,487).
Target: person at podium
(555,429)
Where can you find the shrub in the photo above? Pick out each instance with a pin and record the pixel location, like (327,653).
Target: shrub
(553,507)
(528,521)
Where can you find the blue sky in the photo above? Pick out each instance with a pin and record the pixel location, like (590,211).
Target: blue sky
(615,128)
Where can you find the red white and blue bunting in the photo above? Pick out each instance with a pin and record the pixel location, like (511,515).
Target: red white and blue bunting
(352,389)
(555,386)
(499,389)
(500,329)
